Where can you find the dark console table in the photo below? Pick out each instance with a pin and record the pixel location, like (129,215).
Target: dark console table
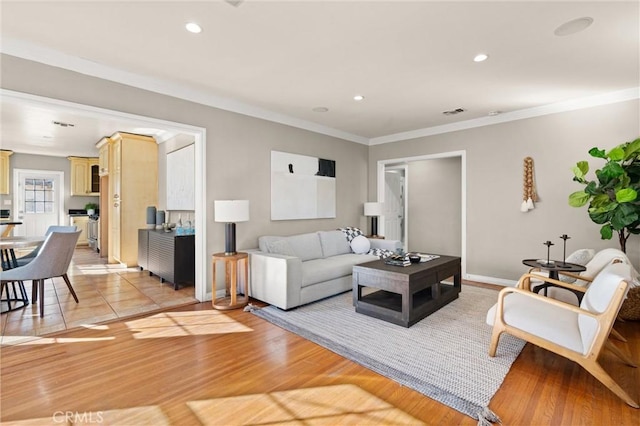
(167,255)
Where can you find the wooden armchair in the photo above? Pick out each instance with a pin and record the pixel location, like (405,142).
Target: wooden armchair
(577,333)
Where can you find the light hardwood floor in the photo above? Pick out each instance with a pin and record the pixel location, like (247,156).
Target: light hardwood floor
(194,365)
(104,292)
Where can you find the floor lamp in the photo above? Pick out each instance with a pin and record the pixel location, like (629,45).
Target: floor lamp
(374,210)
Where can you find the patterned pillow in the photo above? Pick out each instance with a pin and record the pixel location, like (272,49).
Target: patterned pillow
(381,253)
(350,233)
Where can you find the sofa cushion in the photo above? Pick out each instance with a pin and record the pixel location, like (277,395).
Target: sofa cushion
(265,242)
(320,270)
(306,246)
(281,247)
(333,243)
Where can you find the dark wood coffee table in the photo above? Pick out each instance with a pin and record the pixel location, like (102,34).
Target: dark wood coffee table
(405,295)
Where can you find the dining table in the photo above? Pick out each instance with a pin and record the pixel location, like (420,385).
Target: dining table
(14,292)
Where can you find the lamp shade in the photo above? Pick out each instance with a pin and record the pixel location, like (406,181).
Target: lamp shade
(231,211)
(373,209)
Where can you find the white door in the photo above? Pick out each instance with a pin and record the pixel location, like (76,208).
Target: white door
(38,200)
(394,204)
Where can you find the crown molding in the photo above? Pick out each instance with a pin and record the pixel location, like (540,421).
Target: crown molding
(33,52)
(571,105)
(36,53)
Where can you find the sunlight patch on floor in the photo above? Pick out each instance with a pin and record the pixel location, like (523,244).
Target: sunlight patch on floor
(330,405)
(196,323)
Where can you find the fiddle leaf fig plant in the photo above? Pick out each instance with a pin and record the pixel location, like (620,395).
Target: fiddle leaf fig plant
(614,195)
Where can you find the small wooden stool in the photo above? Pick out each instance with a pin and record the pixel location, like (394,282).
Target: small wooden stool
(232,300)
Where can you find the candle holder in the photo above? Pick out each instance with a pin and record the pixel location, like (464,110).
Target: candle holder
(548,244)
(564,237)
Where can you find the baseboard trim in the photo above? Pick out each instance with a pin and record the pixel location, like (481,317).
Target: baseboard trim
(491,280)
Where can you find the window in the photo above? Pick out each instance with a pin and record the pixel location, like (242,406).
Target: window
(38,195)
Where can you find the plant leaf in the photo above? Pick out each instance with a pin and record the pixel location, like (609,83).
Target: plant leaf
(580,170)
(578,199)
(606,233)
(626,195)
(611,170)
(616,154)
(623,216)
(632,148)
(601,200)
(598,153)
(591,188)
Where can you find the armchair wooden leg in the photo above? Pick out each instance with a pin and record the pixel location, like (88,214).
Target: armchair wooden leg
(495,338)
(613,348)
(598,372)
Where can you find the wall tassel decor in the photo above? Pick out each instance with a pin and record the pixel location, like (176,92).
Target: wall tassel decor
(529,194)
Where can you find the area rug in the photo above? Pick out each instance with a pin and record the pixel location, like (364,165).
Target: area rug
(444,356)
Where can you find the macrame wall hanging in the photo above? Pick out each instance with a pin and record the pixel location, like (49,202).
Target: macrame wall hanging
(529,194)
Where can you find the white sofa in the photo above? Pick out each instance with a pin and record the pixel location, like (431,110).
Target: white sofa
(295,270)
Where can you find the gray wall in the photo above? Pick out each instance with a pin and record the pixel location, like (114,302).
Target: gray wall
(45,162)
(499,236)
(238,149)
(434,204)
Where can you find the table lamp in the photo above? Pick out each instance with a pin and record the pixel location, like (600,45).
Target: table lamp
(229,212)
(374,210)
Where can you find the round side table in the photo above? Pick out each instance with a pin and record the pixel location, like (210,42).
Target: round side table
(235,296)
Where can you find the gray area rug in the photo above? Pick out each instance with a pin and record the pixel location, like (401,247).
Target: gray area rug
(444,356)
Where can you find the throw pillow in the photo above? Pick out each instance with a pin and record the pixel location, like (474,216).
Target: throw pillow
(580,257)
(360,244)
(350,233)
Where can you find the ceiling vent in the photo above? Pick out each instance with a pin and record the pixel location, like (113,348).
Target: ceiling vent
(453,111)
(61,124)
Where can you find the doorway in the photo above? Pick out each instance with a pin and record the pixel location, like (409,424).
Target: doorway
(202,284)
(382,166)
(395,203)
(38,200)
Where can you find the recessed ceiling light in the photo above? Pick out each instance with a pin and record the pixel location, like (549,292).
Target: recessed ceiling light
(481,57)
(574,26)
(192,27)
(493,113)
(358,97)
(320,109)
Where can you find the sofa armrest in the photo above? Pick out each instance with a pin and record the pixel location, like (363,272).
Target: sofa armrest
(275,279)
(391,245)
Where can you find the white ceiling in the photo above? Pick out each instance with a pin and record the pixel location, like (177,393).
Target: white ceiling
(411,60)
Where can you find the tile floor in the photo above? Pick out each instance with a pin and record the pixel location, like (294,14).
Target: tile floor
(105,293)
